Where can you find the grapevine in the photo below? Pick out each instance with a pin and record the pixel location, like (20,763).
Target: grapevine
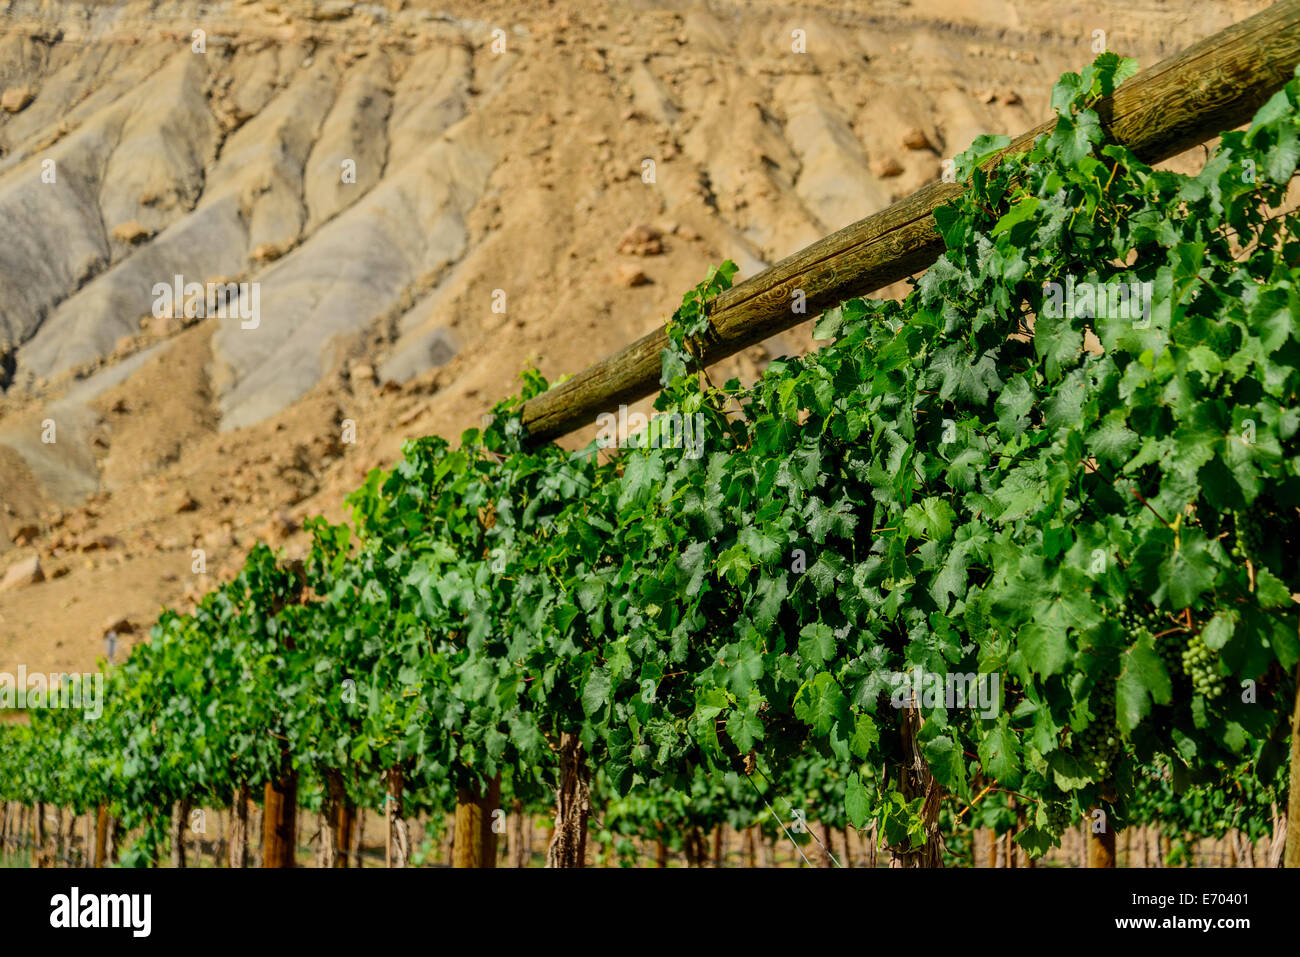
(938,491)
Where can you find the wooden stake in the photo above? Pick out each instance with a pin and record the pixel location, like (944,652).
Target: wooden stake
(475,844)
(39,858)
(239,828)
(1101,847)
(359,839)
(176,833)
(521,836)
(399,842)
(280,821)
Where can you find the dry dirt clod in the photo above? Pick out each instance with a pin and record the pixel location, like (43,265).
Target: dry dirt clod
(15,98)
(25,534)
(629,275)
(119,624)
(131,233)
(641,240)
(915,139)
(98,543)
(279,528)
(886,167)
(267,252)
(26,572)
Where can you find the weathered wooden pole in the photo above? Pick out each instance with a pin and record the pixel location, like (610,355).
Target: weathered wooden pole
(398,848)
(238,846)
(280,818)
(1210,87)
(475,843)
(1101,847)
(176,832)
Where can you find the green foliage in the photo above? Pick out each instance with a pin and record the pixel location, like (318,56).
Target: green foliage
(1009,473)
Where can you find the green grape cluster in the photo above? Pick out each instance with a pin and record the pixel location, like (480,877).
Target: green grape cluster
(1058,816)
(1248,534)
(1170,648)
(1101,739)
(1168,642)
(1135,617)
(1202,665)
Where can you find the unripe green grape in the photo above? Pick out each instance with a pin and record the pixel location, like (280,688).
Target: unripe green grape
(1058,816)
(1100,741)
(1202,665)
(1248,533)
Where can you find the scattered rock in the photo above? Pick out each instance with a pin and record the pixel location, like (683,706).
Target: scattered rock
(15,98)
(1011,98)
(185,502)
(220,538)
(26,572)
(915,139)
(330,10)
(362,372)
(641,240)
(78,521)
(120,625)
(267,252)
(26,534)
(98,543)
(628,275)
(131,233)
(279,528)
(886,167)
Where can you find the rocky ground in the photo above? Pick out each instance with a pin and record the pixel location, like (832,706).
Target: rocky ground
(429,197)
